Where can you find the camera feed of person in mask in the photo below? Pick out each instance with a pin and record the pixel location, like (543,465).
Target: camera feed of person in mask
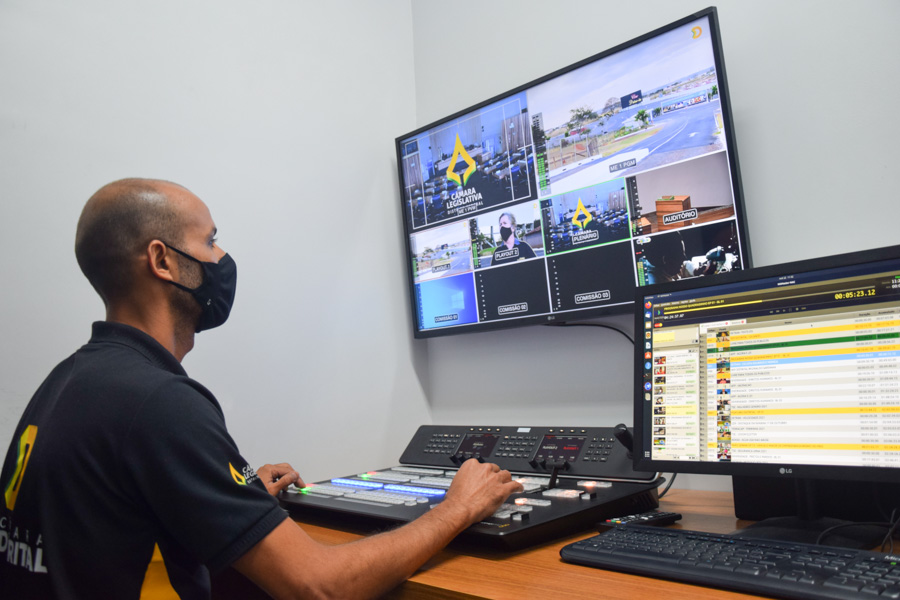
(508,283)
(507,236)
(510,248)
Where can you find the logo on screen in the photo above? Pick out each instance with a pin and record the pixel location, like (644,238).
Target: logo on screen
(696,31)
(460,152)
(581,217)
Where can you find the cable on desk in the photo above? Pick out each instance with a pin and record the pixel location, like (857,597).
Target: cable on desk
(668,485)
(887,543)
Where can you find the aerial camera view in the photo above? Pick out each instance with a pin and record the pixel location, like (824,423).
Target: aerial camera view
(637,119)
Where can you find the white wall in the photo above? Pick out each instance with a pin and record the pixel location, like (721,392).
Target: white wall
(281,116)
(812,83)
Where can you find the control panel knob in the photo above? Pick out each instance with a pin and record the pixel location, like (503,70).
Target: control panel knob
(625,438)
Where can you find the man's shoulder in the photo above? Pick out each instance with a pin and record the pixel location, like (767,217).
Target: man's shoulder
(110,366)
(116,378)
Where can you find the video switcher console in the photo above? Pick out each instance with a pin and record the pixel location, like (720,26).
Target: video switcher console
(574,477)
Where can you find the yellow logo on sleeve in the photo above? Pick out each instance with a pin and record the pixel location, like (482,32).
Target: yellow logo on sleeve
(26,445)
(235,474)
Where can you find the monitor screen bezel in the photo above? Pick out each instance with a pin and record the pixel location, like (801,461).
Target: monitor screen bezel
(785,470)
(740,216)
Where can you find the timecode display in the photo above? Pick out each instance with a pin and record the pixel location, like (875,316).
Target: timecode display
(854,294)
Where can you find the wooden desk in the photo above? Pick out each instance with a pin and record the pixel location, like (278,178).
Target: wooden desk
(538,572)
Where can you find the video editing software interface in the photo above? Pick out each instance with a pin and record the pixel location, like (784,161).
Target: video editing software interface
(564,196)
(799,369)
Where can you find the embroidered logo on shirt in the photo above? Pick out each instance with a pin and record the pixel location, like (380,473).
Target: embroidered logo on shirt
(26,445)
(238,478)
(244,476)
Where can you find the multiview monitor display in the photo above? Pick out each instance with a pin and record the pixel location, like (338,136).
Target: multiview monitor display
(552,202)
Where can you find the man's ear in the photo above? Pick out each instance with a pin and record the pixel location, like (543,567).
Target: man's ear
(161,262)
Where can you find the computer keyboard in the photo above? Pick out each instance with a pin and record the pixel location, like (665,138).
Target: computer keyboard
(765,567)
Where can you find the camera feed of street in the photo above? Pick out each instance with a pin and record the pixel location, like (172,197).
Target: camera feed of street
(639,117)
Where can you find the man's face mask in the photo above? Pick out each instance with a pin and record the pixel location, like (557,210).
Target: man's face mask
(216,294)
(505,232)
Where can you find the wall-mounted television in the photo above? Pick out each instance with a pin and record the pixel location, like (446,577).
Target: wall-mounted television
(552,202)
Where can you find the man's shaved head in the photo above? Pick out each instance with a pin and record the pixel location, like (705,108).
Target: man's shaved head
(117,224)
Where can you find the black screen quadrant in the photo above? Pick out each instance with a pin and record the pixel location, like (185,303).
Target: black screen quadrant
(516,290)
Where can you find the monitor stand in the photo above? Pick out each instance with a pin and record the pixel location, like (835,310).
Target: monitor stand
(799,510)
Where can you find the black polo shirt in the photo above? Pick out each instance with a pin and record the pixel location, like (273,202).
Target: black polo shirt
(119,450)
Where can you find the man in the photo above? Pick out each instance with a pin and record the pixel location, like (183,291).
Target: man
(119,449)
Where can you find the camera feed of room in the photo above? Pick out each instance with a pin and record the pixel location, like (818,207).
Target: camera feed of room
(478,161)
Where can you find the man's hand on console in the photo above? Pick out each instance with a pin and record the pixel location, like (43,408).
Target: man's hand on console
(480,488)
(277,477)
(287,563)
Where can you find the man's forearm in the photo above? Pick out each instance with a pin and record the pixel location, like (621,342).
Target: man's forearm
(386,560)
(287,563)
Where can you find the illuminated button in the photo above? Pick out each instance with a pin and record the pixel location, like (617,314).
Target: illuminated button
(386,476)
(561,493)
(372,485)
(520,502)
(589,483)
(531,486)
(325,490)
(412,489)
(538,480)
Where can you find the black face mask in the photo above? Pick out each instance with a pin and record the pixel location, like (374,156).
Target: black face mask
(216,294)
(505,232)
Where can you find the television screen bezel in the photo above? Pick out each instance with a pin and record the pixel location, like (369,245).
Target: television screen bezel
(740,216)
(785,470)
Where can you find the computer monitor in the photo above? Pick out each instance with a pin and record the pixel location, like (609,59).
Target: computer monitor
(553,201)
(788,373)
